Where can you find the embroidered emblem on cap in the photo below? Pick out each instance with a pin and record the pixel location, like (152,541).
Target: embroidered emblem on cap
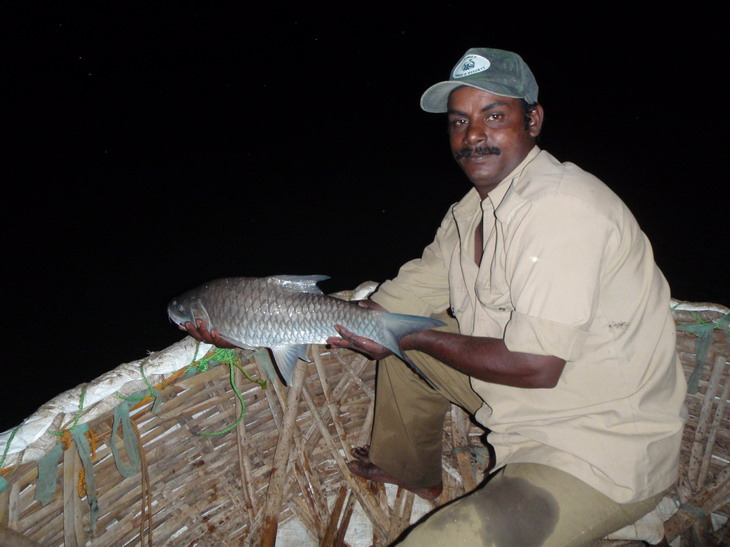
(471,64)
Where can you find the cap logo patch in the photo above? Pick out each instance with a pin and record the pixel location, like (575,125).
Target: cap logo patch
(471,64)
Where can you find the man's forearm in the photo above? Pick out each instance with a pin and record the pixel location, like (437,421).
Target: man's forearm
(487,359)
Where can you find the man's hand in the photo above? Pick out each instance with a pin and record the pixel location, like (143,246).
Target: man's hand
(201,333)
(358,343)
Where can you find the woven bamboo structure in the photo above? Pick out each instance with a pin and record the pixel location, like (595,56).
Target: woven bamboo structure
(185,466)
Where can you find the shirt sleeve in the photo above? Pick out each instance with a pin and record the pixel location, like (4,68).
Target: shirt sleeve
(422,285)
(555,260)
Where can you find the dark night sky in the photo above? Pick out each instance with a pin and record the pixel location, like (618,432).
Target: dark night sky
(151,149)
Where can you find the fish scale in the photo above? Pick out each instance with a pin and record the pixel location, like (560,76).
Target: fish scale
(285,313)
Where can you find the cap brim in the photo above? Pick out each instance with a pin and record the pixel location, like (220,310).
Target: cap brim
(436,98)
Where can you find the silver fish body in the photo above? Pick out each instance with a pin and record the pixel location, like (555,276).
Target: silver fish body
(285,313)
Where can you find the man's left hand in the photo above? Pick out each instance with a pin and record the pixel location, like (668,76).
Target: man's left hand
(357,343)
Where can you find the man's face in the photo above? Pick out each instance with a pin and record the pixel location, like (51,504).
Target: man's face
(488,136)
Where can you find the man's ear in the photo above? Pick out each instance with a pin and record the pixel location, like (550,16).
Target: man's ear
(536,117)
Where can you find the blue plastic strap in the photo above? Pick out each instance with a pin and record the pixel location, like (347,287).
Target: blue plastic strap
(131,443)
(48,475)
(78,434)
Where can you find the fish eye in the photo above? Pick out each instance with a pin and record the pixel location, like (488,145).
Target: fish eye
(180,308)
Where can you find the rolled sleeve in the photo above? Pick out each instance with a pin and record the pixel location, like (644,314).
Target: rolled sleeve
(527,334)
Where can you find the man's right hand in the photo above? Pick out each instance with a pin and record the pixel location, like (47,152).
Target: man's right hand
(200,332)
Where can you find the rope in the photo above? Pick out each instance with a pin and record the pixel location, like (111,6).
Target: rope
(7,448)
(703,331)
(233,361)
(4,485)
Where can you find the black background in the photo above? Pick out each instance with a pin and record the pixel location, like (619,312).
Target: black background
(151,148)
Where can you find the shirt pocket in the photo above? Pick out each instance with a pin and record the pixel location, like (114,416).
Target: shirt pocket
(492,288)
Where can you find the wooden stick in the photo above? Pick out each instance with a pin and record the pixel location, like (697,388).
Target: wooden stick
(281,456)
(377,516)
(716,421)
(460,434)
(73,529)
(332,526)
(705,501)
(243,446)
(699,447)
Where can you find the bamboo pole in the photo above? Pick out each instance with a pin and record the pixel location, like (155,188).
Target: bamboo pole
(716,422)
(73,529)
(275,490)
(699,447)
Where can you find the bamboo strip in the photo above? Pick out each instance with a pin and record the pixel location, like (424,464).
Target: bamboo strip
(5,506)
(73,529)
(339,540)
(243,449)
(699,447)
(331,405)
(276,483)
(705,501)
(461,439)
(716,423)
(377,516)
(11,538)
(332,527)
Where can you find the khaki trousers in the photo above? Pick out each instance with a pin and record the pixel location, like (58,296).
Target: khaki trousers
(521,504)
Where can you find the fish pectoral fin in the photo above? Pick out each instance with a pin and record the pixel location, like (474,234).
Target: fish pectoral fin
(198,311)
(286,359)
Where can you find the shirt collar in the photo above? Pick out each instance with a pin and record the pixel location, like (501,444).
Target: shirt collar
(470,204)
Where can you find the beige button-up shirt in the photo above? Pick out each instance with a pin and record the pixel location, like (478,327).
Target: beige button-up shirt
(566,271)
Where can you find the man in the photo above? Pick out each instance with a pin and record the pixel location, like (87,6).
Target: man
(562,344)
(565,344)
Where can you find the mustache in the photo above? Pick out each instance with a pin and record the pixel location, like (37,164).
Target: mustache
(480,151)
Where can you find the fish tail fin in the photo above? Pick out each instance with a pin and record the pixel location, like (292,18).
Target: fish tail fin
(397,326)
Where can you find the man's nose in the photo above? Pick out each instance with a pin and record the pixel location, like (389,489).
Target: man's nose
(476,132)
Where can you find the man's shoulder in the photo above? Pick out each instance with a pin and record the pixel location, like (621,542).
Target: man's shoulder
(548,178)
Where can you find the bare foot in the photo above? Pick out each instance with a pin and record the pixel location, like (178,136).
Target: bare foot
(363,467)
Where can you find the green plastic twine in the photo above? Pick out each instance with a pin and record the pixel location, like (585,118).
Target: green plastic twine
(153,391)
(77,417)
(3,481)
(222,355)
(703,331)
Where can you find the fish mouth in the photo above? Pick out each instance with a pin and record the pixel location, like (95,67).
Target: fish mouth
(173,313)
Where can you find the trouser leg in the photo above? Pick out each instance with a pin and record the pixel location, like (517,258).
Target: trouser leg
(528,504)
(406,440)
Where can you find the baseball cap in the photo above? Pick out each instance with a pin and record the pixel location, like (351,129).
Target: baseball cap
(493,70)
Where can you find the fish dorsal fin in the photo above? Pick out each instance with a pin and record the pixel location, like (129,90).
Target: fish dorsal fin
(299,283)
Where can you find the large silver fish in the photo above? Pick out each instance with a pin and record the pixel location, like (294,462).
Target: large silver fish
(285,313)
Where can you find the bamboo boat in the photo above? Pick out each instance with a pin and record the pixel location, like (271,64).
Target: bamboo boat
(197,446)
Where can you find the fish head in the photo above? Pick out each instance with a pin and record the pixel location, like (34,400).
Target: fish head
(187,308)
